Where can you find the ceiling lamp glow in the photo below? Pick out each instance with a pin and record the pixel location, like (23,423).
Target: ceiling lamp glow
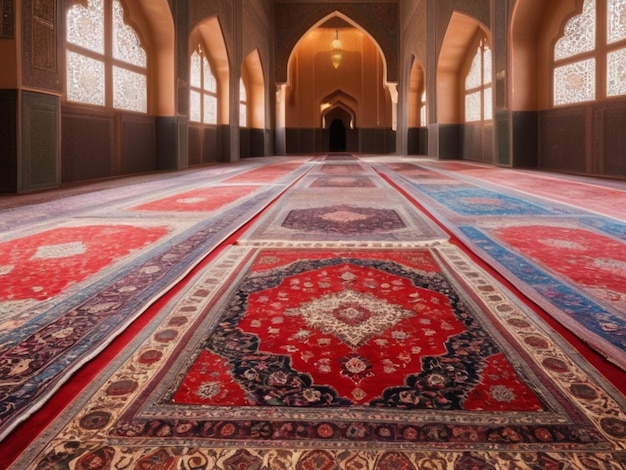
(336,55)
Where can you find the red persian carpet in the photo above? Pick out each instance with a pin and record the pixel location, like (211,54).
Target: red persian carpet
(75,274)
(570,259)
(339,358)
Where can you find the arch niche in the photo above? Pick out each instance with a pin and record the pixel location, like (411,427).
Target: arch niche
(417,135)
(156,16)
(204,140)
(456,138)
(336,70)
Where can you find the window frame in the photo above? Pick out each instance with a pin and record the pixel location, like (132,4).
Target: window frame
(599,54)
(201,89)
(106,58)
(480,45)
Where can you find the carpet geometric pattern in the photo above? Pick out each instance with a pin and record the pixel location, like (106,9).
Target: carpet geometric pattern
(569,261)
(396,358)
(71,289)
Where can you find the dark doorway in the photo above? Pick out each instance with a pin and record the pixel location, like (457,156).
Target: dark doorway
(337,136)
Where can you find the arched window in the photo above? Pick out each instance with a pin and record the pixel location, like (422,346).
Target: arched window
(243,104)
(478,86)
(203,90)
(589,60)
(106,64)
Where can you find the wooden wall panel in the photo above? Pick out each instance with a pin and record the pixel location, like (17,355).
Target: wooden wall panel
(138,144)
(40,142)
(613,140)
(88,144)
(563,140)
(8,140)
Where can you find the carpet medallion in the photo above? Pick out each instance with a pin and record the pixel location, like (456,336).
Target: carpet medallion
(398,358)
(343,182)
(332,209)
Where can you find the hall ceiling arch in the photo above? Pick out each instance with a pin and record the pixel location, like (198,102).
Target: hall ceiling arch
(337,19)
(295,19)
(337,54)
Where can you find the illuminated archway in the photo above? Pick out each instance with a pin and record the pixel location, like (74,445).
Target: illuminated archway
(458,41)
(208,34)
(252,75)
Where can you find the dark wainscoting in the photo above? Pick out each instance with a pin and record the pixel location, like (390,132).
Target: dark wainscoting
(244,142)
(87,144)
(584,139)
(563,137)
(195,145)
(361,140)
(417,141)
(8,141)
(525,146)
(477,142)
(449,141)
(612,148)
(103,143)
(138,144)
(210,145)
(168,138)
(257,142)
(251,142)
(40,166)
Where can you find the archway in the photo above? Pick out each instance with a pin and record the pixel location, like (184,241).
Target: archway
(208,48)
(252,75)
(417,136)
(335,61)
(252,135)
(158,18)
(337,136)
(457,137)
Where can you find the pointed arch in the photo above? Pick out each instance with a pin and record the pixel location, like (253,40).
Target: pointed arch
(252,76)
(527,27)
(339,100)
(208,34)
(459,42)
(161,39)
(315,73)
(351,22)
(416,105)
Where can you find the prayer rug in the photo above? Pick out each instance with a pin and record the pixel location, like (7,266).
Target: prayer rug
(343,182)
(602,198)
(399,358)
(267,173)
(205,199)
(71,290)
(330,207)
(569,261)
